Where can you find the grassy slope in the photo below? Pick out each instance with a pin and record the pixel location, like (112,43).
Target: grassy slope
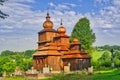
(96,55)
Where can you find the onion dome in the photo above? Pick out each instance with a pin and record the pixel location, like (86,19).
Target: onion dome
(76,40)
(61,29)
(48,24)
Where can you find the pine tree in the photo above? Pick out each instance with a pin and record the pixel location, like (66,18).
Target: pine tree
(3,15)
(84,34)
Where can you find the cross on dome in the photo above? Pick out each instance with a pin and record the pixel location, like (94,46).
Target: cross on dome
(61,29)
(48,24)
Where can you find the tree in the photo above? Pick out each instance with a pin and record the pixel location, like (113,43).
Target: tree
(104,60)
(108,47)
(84,34)
(28,53)
(2,15)
(117,58)
(25,64)
(117,54)
(105,56)
(7,53)
(7,64)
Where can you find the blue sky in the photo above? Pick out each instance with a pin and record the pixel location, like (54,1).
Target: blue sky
(18,32)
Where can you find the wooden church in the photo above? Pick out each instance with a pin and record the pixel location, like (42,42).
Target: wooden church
(55,51)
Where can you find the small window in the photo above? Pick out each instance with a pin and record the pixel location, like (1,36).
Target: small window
(39,60)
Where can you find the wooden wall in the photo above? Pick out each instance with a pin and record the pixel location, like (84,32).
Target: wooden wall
(50,61)
(77,64)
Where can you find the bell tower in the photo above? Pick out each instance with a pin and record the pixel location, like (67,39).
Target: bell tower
(62,37)
(46,35)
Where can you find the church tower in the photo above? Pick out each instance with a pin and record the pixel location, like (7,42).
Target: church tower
(46,35)
(61,37)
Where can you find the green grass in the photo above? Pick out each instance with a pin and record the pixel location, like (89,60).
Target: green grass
(113,74)
(96,55)
(15,78)
(98,75)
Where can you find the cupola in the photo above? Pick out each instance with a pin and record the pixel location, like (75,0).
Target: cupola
(61,29)
(75,41)
(48,24)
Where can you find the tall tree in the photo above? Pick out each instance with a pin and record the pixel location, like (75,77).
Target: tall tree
(2,15)
(84,34)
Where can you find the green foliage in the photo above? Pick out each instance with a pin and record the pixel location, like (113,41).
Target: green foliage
(101,59)
(98,75)
(117,62)
(105,56)
(28,53)
(7,64)
(84,34)
(96,55)
(7,53)
(13,59)
(113,74)
(15,78)
(117,54)
(108,47)
(25,64)
(117,58)
(104,61)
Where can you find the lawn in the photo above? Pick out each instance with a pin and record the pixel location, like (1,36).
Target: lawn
(14,78)
(98,75)
(96,55)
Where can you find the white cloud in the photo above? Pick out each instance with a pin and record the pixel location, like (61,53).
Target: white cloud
(116,2)
(19,30)
(70,13)
(109,16)
(62,7)
(71,4)
(57,12)
(102,1)
(7,27)
(31,1)
(24,23)
(116,31)
(20,16)
(51,4)
(105,31)
(19,43)
(59,6)
(106,23)
(4,31)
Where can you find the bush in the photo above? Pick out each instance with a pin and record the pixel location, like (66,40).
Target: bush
(103,62)
(106,63)
(117,62)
